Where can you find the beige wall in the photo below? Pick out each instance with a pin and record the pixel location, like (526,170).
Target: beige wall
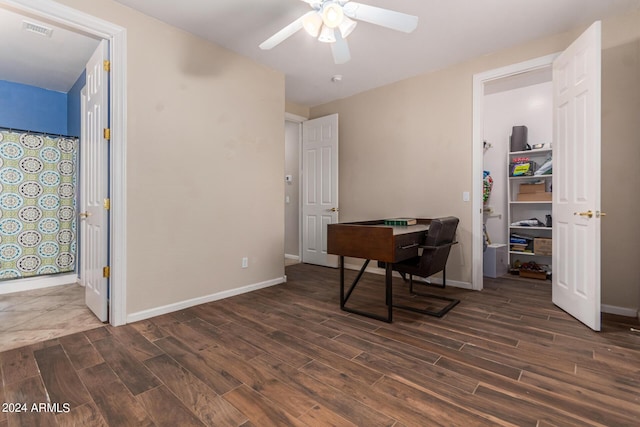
(297,109)
(205,159)
(405,149)
(620,174)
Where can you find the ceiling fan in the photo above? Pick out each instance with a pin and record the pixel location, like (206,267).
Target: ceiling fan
(331,21)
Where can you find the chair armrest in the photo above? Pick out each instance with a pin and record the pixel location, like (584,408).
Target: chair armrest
(439,246)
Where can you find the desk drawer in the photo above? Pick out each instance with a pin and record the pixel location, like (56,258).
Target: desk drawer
(406,245)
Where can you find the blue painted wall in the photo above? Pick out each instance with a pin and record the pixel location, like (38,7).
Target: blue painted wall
(74,105)
(32,108)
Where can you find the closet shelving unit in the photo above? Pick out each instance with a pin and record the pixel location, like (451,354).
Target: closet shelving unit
(525,210)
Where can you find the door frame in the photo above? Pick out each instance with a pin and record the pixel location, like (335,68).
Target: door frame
(289,117)
(479,80)
(117,37)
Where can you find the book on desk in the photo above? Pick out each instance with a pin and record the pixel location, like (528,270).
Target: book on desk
(401,221)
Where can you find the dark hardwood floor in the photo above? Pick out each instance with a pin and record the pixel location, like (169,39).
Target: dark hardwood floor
(287,355)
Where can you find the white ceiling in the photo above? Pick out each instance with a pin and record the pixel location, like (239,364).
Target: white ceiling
(53,63)
(449,32)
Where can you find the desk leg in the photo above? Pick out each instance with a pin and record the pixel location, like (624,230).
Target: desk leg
(341,282)
(389,291)
(344,298)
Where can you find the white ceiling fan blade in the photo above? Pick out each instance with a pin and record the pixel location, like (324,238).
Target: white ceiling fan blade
(375,15)
(340,49)
(285,33)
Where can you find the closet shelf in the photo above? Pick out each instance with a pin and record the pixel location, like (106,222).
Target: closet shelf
(526,227)
(532,176)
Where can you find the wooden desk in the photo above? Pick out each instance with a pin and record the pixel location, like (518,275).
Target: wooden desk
(372,240)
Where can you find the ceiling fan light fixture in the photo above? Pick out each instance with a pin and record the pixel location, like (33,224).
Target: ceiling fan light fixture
(327,35)
(312,24)
(332,14)
(347,26)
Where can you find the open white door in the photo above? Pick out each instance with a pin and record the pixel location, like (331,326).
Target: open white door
(576,178)
(94,186)
(319,188)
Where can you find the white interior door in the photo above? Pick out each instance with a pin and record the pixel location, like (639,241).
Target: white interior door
(94,185)
(319,188)
(576,178)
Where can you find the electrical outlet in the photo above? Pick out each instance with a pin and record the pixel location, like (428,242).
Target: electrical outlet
(245,262)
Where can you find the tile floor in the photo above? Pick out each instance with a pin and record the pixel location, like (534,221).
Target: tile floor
(37,315)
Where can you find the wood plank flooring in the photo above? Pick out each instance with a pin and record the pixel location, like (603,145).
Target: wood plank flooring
(287,356)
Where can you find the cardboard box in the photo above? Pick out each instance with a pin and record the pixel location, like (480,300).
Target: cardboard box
(532,188)
(535,197)
(542,246)
(540,275)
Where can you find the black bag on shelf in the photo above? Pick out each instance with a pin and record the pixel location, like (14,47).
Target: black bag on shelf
(518,138)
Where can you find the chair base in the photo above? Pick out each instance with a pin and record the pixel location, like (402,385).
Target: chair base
(452,301)
(426,284)
(404,277)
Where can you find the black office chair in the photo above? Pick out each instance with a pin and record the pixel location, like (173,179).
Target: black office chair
(435,252)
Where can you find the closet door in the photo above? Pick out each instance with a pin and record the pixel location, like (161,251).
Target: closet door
(576,178)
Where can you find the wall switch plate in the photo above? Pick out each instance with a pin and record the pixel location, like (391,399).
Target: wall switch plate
(465,196)
(245,262)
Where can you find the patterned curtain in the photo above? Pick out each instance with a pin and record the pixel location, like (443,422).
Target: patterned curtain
(37,204)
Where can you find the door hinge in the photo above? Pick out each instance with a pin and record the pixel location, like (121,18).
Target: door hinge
(107,204)
(106,64)
(107,133)
(106,272)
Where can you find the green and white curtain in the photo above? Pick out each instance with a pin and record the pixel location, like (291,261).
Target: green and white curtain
(37,204)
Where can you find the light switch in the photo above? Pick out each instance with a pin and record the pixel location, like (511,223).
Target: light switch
(465,196)
(287,199)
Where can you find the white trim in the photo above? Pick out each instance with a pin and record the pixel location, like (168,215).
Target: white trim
(40,282)
(294,257)
(117,37)
(437,280)
(170,308)
(298,119)
(620,311)
(477,148)
(294,118)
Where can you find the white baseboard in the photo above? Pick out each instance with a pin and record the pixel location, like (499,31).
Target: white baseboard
(437,280)
(620,311)
(170,308)
(289,256)
(40,282)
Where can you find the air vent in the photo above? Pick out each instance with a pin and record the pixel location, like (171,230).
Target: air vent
(37,28)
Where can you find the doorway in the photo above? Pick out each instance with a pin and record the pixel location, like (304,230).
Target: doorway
(502,76)
(292,185)
(576,121)
(86,24)
(514,104)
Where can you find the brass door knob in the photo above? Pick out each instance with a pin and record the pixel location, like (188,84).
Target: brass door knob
(588,214)
(84,215)
(334,210)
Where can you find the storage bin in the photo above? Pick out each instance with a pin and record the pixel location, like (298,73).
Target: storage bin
(495,260)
